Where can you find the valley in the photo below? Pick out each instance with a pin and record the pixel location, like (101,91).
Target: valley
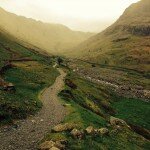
(69,90)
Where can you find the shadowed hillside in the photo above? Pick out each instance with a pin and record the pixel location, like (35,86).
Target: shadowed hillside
(126,43)
(51,37)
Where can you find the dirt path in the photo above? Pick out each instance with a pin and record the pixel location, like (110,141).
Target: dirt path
(27,133)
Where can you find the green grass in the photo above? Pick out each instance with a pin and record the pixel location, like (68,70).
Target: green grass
(29,78)
(28,83)
(82,105)
(134,111)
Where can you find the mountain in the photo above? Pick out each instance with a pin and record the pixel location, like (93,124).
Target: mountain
(126,43)
(53,38)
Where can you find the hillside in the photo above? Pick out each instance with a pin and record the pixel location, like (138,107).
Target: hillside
(51,37)
(24,72)
(124,44)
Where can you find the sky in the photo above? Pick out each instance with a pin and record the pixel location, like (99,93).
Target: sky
(82,15)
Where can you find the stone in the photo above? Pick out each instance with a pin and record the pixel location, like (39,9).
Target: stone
(77,134)
(118,128)
(54,148)
(59,145)
(47,145)
(103,131)
(63,127)
(116,121)
(33,121)
(65,105)
(90,130)
(63,141)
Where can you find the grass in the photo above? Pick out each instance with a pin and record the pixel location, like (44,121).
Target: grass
(134,111)
(28,77)
(82,105)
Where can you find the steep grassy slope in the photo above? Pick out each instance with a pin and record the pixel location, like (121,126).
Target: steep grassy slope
(52,37)
(126,43)
(29,71)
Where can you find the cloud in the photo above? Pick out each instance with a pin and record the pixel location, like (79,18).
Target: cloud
(73,13)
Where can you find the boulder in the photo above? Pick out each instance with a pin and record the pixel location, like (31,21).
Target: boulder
(59,145)
(90,130)
(47,145)
(77,134)
(63,127)
(54,148)
(118,128)
(116,121)
(103,131)
(63,141)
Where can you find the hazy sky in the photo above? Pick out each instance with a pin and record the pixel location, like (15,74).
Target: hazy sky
(85,15)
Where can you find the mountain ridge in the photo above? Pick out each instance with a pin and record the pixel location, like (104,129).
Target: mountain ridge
(50,37)
(121,43)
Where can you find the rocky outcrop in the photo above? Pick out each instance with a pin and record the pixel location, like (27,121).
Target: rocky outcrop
(138,30)
(63,127)
(103,131)
(51,145)
(47,145)
(90,130)
(117,122)
(77,133)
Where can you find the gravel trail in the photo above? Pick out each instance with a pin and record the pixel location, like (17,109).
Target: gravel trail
(27,133)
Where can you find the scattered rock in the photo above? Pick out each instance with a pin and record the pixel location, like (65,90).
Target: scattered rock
(47,145)
(63,127)
(103,131)
(33,121)
(54,148)
(65,105)
(59,145)
(9,87)
(77,134)
(118,128)
(90,130)
(116,121)
(147,93)
(64,141)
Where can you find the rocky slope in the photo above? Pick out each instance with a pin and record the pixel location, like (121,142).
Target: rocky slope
(125,43)
(52,37)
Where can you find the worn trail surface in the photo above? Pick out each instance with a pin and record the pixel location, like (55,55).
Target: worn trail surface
(27,133)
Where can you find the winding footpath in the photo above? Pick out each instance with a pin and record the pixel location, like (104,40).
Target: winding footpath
(29,132)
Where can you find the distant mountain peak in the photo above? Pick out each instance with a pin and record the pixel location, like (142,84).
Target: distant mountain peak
(125,43)
(54,38)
